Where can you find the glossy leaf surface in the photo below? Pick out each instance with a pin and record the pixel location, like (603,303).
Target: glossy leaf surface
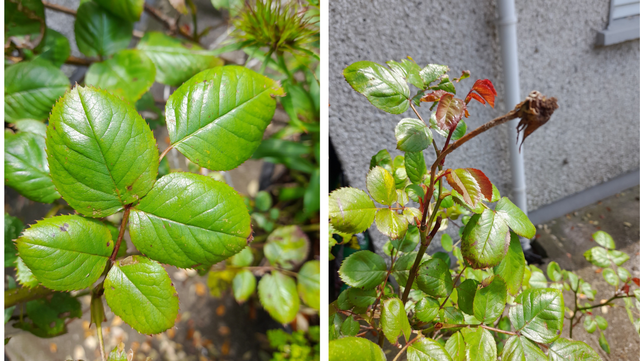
(309,284)
(569,350)
(128,74)
(55,48)
(489,301)
(479,344)
(471,183)
(99,32)
(189,219)
(538,314)
(383,88)
(66,252)
(394,321)
(363,269)
(449,112)
(485,240)
(217,119)
(351,210)
(129,10)
(243,285)
(31,88)
(381,186)
(279,296)
(355,349)
(512,266)
(102,154)
(521,349)
(412,135)
(175,60)
(139,291)
(26,168)
(427,349)
(391,223)
(434,278)
(515,218)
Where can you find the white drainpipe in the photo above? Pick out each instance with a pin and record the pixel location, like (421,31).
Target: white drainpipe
(509,51)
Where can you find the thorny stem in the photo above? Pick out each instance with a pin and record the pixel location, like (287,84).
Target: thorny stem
(169,22)
(425,241)
(123,225)
(418,114)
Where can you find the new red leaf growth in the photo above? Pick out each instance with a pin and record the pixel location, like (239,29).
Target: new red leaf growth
(485,92)
(449,112)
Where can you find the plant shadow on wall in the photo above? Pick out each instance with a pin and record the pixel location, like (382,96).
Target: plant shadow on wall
(88,151)
(490,304)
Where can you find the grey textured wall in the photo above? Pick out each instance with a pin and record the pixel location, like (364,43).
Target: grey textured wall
(592,137)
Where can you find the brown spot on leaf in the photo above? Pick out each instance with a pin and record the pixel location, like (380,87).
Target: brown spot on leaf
(65,227)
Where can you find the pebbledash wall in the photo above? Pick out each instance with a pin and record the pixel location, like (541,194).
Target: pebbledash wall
(592,139)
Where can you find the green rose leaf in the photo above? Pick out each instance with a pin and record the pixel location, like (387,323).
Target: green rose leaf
(394,320)
(351,210)
(24,275)
(56,250)
(485,240)
(537,278)
(409,70)
(12,229)
(604,239)
(589,324)
(188,220)
(554,271)
(538,314)
(54,48)
(601,322)
(361,298)
(410,240)
(48,317)
(489,301)
(244,283)
(383,88)
(382,159)
(100,33)
(24,17)
(471,183)
(568,350)
(617,257)
(434,278)
(139,291)
(309,284)
(402,268)
(176,61)
(363,269)
(279,296)
(381,186)
(521,349)
(102,154)
(413,135)
(31,88)
(515,218)
(355,349)
(479,344)
(427,349)
(415,192)
(218,117)
(427,309)
(242,259)
(512,266)
(350,327)
(604,345)
(416,168)
(466,295)
(30,126)
(128,74)
(287,247)
(455,347)
(452,315)
(391,223)
(26,168)
(445,241)
(611,277)
(129,10)
(432,72)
